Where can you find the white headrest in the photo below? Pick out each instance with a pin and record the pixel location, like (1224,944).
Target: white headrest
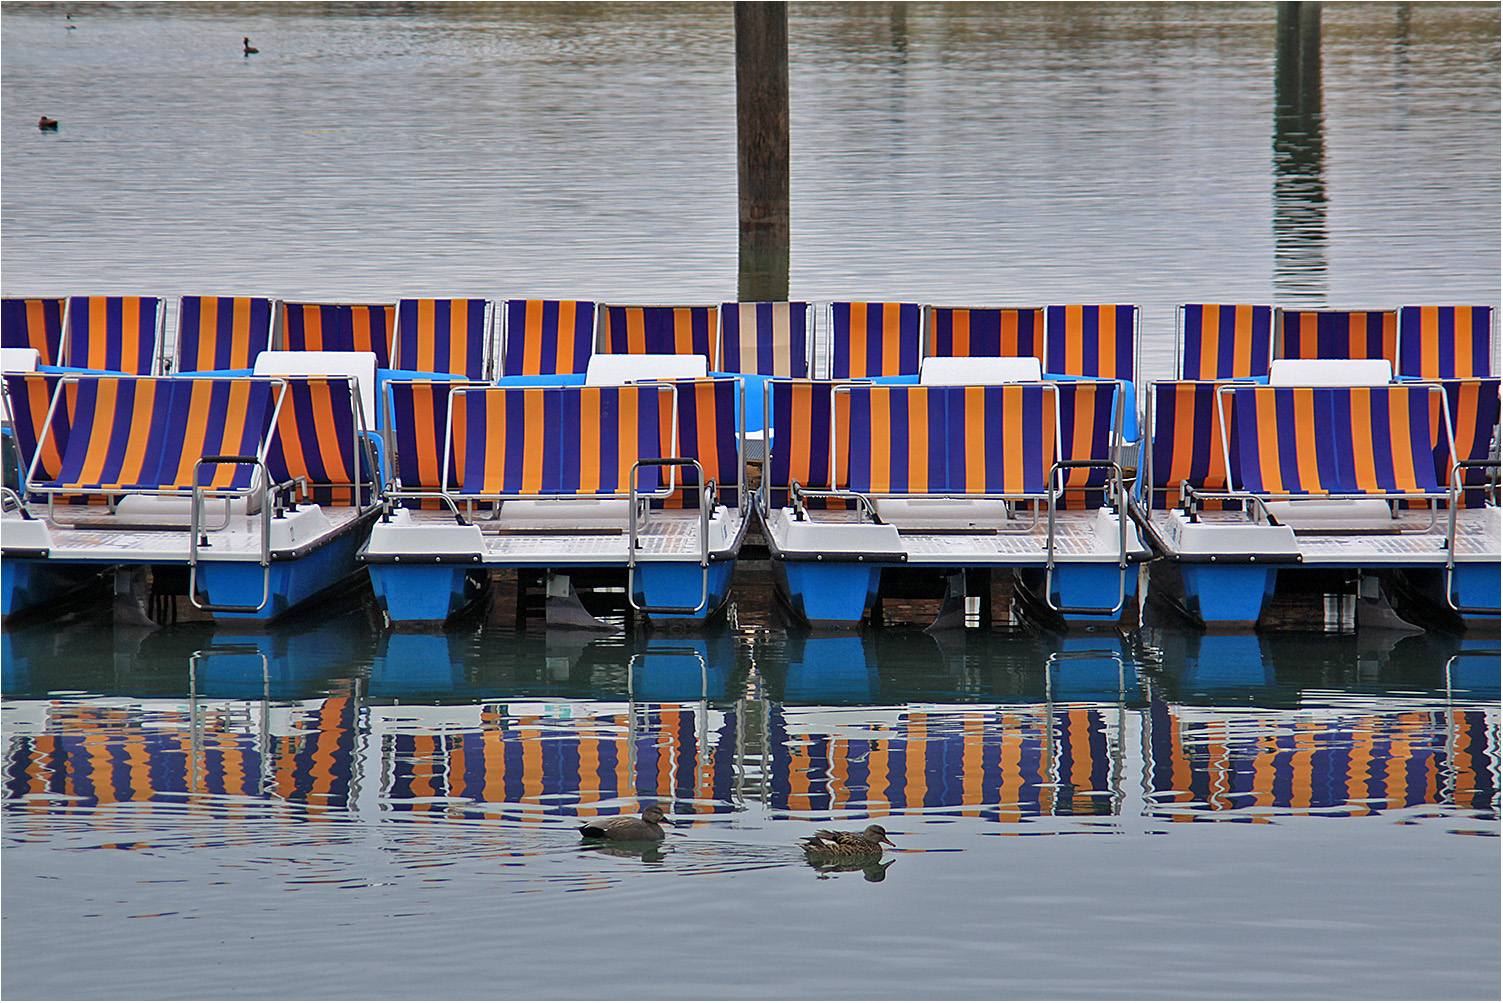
(951,372)
(1330,372)
(19,360)
(614,370)
(361,365)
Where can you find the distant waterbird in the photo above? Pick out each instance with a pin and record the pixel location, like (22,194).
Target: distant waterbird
(47,124)
(71,25)
(829,844)
(625,828)
(249,48)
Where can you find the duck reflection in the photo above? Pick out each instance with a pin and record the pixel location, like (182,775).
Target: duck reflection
(872,870)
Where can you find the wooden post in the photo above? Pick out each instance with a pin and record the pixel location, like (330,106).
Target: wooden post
(762,149)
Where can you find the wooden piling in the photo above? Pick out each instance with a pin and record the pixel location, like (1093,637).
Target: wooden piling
(762,149)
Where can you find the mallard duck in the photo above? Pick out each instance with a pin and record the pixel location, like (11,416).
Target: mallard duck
(828,843)
(249,48)
(47,124)
(625,827)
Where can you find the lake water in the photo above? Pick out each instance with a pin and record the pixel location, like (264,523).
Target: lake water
(335,810)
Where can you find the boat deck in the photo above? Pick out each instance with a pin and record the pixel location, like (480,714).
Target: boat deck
(1409,538)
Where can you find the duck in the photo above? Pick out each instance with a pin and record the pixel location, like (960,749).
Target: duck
(71,25)
(47,124)
(249,48)
(626,828)
(829,843)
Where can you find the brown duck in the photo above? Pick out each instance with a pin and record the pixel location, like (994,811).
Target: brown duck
(626,828)
(826,843)
(250,49)
(47,124)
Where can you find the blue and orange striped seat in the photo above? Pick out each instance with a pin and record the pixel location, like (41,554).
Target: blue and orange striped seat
(658,330)
(148,433)
(28,398)
(1098,340)
(1007,332)
(1337,334)
(221,332)
(1474,409)
(443,336)
(768,339)
(1089,422)
(1186,445)
(117,334)
(1296,441)
(33,323)
(339,327)
(1445,342)
(318,440)
(416,419)
(956,440)
(798,450)
(706,416)
(553,441)
(1221,341)
(875,339)
(544,337)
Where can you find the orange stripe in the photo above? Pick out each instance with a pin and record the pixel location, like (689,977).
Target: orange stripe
(1080,447)
(1268,443)
(1429,342)
(240,334)
(892,329)
(1074,339)
(841,420)
(975,439)
(139,432)
(1363,461)
(497,453)
(99,444)
(1106,341)
(800,448)
(534,429)
(425,429)
(1305,439)
(195,432)
(881,445)
(918,439)
(130,342)
(590,423)
(1399,426)
(1012,451)
(633,401)
(329,447)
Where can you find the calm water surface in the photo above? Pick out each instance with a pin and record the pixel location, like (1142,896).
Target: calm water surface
(335,810)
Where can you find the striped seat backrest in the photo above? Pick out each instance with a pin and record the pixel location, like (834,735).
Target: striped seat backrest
(1002,440)
(28,397)
(416,417)
(553,441)
(874,339)
(117,334)
(315,437)
(543,337)
(221,332)
(705,416)
(1222,341)
(1337,334)
(1094,340)
(1006,332)
(33,323)
(897,439)
(443,336)
(1445,342)
(953,440)
(340,327)
(769,339)
(1333,440)
(798,449)
(1474,410)
(1187,446)
(1088,431)
(149,433)
(658,330)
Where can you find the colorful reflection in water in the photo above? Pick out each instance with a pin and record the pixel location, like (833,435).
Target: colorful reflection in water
(1103,736)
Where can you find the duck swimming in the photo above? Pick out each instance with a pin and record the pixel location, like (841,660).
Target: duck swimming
(625,827)
(249,48)
(47,124)
(827,843)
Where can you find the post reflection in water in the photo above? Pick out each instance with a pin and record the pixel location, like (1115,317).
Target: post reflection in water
(1299,187)
(1005,730)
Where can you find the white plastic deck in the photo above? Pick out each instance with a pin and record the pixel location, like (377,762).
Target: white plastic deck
(598,536)
(1079,536)
(1478,538)
(163,538)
